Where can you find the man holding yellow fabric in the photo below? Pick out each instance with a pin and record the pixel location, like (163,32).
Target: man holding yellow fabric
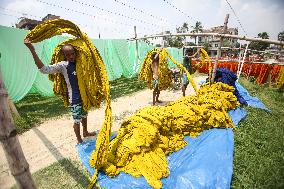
(68,69)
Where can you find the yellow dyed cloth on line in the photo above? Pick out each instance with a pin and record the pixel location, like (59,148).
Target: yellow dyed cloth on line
(144,139)
(280,79)
(91,73)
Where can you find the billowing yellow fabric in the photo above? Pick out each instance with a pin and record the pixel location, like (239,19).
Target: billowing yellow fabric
(280,79)
(145,138)
(91,73)
(203,55)
(164,73)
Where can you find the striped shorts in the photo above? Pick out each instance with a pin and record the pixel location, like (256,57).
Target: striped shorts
(77,112)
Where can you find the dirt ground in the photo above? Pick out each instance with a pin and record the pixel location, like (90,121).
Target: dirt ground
(54,139)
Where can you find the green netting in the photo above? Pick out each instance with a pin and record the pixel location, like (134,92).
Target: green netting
(21,75)
(177,54)
(16,63)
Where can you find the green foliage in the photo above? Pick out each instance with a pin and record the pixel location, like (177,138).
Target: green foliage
(281,36)
(196,29)
(257,45)
(176,42)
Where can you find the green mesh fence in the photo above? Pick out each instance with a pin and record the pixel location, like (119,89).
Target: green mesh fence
(21,75)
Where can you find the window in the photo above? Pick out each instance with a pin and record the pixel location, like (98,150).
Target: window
(216,45)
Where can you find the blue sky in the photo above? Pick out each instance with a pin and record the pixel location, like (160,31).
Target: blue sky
(112,19)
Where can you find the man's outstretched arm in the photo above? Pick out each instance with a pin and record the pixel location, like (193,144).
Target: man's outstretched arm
(38,62)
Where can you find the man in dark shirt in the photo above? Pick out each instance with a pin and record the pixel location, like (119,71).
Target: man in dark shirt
(68,69)
(187,63)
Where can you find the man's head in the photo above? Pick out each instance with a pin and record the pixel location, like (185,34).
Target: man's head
(69,53)
(155,57)
(189,52)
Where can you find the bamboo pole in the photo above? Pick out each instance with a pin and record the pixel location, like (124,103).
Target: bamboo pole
(8,135)
(245,38)
(136,50)
(219,49)
(13,108)
(242,64)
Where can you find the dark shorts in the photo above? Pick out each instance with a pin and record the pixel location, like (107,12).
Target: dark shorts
(185,81)
(78,113)
(155,84)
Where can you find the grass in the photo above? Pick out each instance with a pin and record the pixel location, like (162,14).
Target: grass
(64,174)
(34,108)
(259,142)
(258,150)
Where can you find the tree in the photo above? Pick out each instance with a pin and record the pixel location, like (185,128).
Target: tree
(176,42)
(196,29)
(258,45)
(281,36)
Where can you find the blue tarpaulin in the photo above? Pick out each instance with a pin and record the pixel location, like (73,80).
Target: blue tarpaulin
(206,162)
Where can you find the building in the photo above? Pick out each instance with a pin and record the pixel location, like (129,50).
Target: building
(29,24)
(213,42)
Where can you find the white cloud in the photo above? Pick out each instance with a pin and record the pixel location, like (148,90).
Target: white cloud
(32,7)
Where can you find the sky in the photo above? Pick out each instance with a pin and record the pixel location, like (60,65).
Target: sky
(114,19)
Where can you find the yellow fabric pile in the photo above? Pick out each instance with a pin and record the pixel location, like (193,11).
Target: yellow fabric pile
(144,139)
(280,79)
(91,72)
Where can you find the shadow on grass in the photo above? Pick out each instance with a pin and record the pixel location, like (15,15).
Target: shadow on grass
(35,108)
(68,167)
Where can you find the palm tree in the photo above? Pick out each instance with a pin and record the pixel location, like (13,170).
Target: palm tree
(281,36)
(263,35)
(196,29)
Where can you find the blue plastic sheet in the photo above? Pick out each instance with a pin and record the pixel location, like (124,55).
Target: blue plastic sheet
(206,162)
(252,101)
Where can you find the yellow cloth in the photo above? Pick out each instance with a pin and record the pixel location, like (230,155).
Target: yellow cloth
(280,80)
(144,139)
(92,77)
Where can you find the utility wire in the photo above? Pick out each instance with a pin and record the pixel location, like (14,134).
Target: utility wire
(237,17)
(178,9)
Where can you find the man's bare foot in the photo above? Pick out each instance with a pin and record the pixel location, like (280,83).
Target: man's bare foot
(87,134)
(158,101)
(79,141)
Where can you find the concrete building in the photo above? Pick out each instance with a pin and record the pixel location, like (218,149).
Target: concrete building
(213,42)
(29,24)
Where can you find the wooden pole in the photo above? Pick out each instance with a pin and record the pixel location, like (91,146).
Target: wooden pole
(136,50)
(8,135)
(219,48)
(13,108)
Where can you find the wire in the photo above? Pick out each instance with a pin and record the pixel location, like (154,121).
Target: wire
(178,9)
(23,14)
(112,12)
(141,11)
(237,17)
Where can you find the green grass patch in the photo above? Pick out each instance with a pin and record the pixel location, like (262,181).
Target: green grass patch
(34,108)
(64,174)
(259,142)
